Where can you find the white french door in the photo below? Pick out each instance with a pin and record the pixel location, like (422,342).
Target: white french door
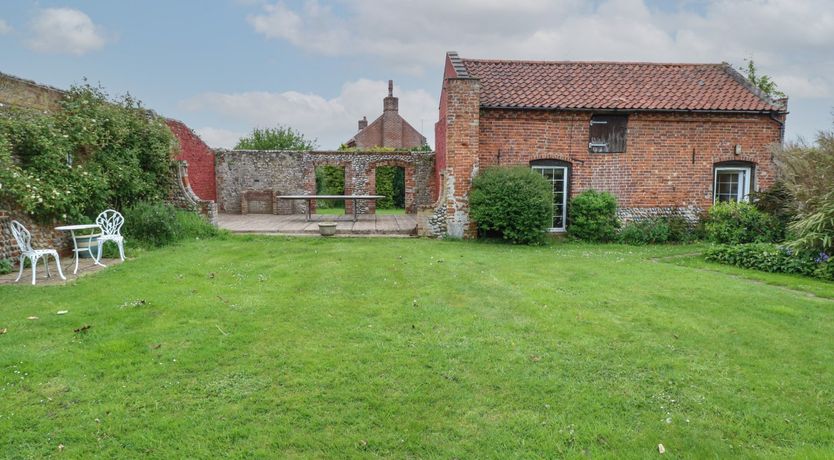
(558,178)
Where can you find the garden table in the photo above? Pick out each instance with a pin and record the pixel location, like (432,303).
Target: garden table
(89,236)
(310,199)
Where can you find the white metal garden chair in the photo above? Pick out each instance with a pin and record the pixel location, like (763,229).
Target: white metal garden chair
(111,222)
(24,242)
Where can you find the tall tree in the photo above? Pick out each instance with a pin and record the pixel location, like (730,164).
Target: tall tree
(278,138)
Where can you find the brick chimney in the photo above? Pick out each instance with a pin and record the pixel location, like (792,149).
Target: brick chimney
(363,123)
(390,103)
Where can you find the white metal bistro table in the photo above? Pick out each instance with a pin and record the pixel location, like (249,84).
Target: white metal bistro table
(75,238)
(310,199)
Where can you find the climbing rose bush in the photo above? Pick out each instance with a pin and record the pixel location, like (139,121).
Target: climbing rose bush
(94,153)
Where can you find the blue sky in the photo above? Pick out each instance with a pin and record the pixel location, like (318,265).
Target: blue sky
(224,66)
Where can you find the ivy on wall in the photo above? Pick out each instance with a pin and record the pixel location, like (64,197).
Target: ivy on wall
(94,153)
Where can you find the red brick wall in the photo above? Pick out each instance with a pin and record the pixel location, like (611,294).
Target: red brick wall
(440,131)
(392,130)
(461,152)
(389,130)
(657,169)
(200,160)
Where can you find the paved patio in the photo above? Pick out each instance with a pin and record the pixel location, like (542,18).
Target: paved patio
(295,224)
(85,267)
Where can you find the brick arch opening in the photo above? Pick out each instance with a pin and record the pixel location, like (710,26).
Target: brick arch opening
(408,169)
(310,180)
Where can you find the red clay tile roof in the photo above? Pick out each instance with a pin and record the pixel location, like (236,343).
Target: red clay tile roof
(615,86)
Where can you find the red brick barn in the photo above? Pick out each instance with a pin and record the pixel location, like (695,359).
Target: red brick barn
(663,138)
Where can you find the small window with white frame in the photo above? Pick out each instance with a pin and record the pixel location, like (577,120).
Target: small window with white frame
(732,182)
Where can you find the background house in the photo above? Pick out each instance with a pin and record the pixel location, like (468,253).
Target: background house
(663,138)
(388,130)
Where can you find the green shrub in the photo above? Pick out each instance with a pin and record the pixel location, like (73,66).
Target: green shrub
(516,203)
(191,225)
(814,231)
(738,223)
(5,266)
(807,171)
(681,230)
(330,180)
(593,216)
(646,231)
(776,201)
(151,224)
(390,182)
(160,224)
(825,268)
(772,258)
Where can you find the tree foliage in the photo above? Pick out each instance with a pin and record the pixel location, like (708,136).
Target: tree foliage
(763,82)
(330,180)
(390,181)
(278,138)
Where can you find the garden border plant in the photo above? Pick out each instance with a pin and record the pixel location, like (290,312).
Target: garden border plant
(94,153)
(592,216)
(515,203)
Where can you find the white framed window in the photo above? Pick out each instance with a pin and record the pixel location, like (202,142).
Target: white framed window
(732,183)
(557,175)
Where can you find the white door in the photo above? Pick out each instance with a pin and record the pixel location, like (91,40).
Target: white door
(558,178)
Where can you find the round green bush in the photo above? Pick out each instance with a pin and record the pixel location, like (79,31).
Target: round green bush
(738,223)
(516,203)
(593,216)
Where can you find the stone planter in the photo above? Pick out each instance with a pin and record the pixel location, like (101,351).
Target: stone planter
(327,228)
(84,243)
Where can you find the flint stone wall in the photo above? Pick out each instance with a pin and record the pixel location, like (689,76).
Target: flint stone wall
(293,173)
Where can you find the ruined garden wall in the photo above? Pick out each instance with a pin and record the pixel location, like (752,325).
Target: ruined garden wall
(18,92)
(43,235)
(200,158)
(293,173)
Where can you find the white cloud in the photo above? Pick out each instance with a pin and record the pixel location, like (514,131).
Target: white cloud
(799,86)
(219,137)
(791,37)
(5,28)
(331,121)
(64,31)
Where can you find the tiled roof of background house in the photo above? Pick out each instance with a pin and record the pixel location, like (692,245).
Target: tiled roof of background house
(615,86)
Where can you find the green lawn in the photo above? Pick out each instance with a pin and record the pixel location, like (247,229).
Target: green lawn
(403,348)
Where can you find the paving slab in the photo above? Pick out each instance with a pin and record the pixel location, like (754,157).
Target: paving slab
(294,224)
